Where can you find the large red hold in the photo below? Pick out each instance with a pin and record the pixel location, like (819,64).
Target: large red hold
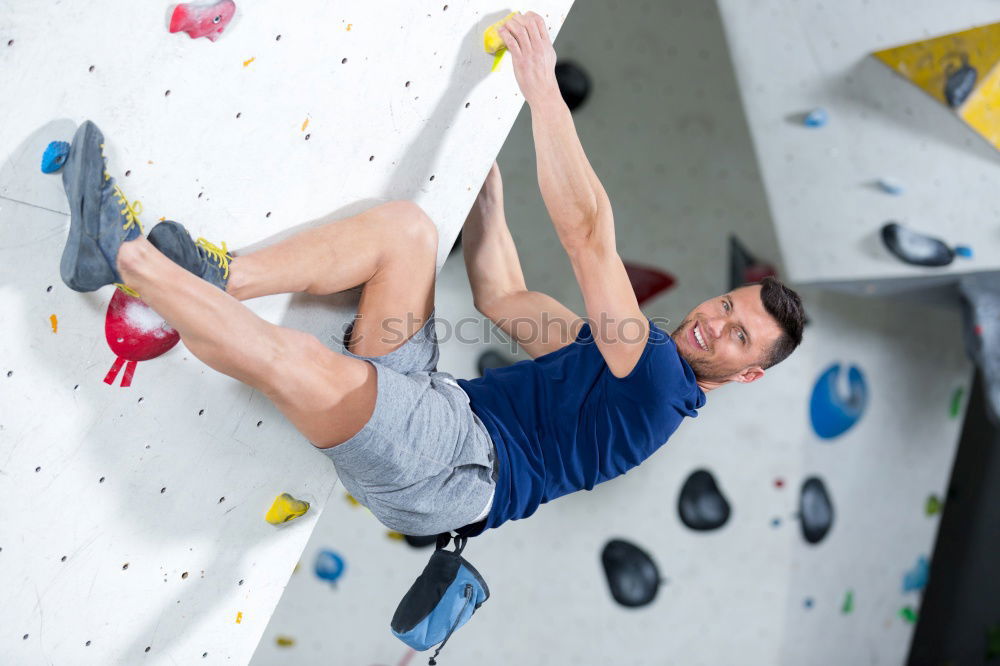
(135,333)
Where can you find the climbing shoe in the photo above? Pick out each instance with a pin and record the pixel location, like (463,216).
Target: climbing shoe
(207,261)
(101,217)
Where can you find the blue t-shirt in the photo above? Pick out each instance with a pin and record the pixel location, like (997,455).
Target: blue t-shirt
(563,422)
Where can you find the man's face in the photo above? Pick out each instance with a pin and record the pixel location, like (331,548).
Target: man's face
(726,338)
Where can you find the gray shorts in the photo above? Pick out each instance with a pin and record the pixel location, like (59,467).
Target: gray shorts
(424,462)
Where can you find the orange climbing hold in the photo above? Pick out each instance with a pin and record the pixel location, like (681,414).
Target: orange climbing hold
(246,63)
(54,320)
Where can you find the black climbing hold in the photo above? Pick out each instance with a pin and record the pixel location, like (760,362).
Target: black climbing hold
(574,84)
(913,248)
(632,575)
(959,83)
(701,504)
(420,541)
(491,360)
(815,510)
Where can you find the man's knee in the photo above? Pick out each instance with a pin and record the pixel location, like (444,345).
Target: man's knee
(413,231)
(300,371)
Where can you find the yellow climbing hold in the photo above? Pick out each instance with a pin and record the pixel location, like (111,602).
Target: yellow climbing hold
(296,569)
(246,63)
(239,617)
(285,641)
(54,320)
(305,125)
(496,60)
(961,70)
(492,41)
(351,500)
(396,536)
(285,508)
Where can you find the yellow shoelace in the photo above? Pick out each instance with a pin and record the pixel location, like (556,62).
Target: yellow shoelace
(131,211)
(219,255)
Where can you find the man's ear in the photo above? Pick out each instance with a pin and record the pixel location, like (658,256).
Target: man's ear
(751,374)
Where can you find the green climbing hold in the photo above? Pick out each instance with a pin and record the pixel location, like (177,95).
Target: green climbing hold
(908,613)
(933,505)
(848,606)
(992,642)
(956,402)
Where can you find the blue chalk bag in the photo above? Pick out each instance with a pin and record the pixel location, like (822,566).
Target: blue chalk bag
(441,600)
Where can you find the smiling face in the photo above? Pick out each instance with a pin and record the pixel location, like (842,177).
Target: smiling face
(727,338)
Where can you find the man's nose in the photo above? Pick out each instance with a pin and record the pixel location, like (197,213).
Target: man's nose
(716,326)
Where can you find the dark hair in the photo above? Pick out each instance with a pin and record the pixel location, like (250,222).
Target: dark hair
(786,307)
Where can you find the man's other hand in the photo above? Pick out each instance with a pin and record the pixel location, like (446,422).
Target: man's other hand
(527,39)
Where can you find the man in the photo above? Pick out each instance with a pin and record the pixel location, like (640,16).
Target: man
(425,453)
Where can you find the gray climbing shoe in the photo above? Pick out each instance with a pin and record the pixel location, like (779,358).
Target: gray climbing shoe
(101,217)
(207,261)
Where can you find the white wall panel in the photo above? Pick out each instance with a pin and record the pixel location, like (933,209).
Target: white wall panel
(400,104)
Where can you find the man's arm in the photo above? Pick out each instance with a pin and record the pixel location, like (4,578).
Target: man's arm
(536,321)
(575,199)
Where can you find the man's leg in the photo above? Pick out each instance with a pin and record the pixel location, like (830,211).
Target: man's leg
(391,249)
(326,395)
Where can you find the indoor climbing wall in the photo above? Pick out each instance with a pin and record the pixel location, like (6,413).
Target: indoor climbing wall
(140,495)
(846,144)
(791,523)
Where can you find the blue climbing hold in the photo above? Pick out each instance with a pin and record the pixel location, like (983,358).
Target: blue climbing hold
(890,186)
(963,251)
(329,565)
(55,156)
(816,118)
(833,414)
(915,579)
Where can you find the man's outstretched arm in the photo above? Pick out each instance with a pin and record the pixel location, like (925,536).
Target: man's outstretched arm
(536,321)
(575,199)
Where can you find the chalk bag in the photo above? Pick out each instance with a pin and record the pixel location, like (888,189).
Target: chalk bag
(441,600)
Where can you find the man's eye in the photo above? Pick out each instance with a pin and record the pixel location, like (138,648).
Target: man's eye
(743,338)
(725,305)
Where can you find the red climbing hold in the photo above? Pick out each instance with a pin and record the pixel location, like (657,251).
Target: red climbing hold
(201,19)
(647,281)
(135,333)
